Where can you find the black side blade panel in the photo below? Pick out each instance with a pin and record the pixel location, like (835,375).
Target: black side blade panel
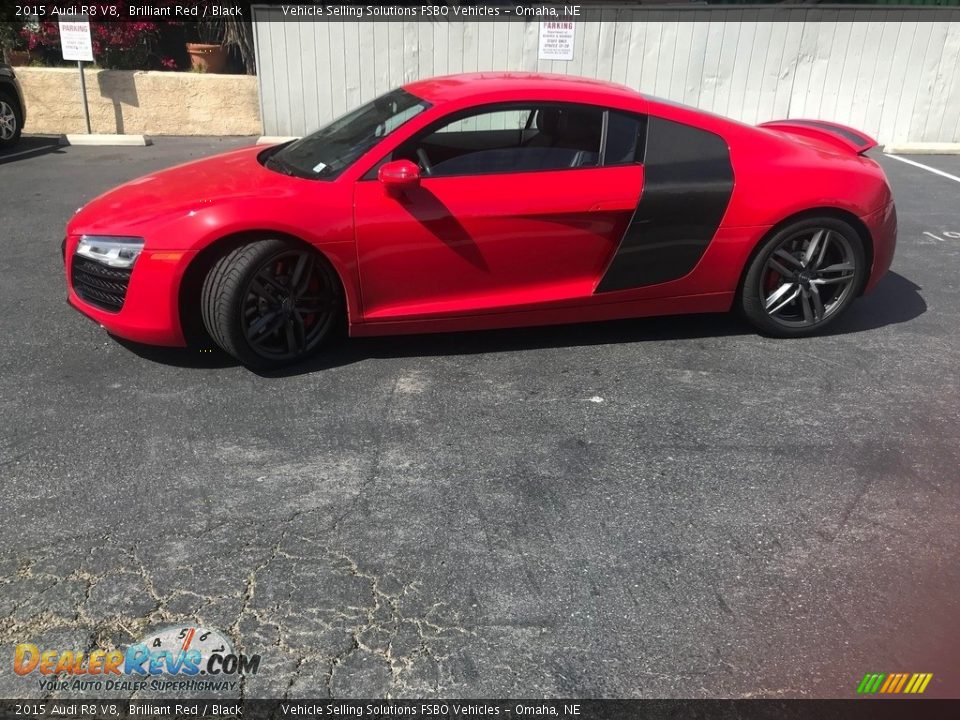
(688,181)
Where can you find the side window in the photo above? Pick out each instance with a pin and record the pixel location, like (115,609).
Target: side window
(625,137)
(503,120)
(395,121)
(510,140)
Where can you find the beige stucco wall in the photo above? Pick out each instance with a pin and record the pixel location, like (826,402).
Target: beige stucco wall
(147,102)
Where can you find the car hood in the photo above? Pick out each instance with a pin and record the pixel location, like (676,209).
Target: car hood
(179,190)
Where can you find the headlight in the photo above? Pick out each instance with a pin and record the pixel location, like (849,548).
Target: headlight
(118,252)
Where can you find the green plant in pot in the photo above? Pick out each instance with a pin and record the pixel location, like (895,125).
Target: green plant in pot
(215,44)
(206,48)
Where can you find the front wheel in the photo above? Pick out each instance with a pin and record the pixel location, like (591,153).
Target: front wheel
(804,277)
(271,303)
(11,121)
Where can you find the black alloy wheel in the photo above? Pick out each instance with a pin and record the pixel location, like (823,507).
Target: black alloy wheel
(271,303)
(804,276)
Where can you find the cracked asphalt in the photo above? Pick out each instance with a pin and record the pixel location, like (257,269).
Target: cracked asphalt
(653,508)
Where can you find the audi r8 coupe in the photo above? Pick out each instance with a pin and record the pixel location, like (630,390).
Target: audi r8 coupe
(488,200)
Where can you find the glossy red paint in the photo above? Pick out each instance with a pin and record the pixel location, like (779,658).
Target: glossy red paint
(462,253)
(836,135)
(489,242)
(399,175)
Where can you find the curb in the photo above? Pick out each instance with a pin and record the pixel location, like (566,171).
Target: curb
(98,139)
(276,139)
(923,149)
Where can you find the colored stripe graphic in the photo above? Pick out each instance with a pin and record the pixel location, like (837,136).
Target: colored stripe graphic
(894,683)
(903,679)
(871,683)
(918,683)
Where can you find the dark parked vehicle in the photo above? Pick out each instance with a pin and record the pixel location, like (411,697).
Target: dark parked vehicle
(13,112)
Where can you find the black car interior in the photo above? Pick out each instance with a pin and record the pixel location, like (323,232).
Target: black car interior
(549,138)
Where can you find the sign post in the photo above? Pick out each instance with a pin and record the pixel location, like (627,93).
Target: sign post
(75,44)
(83,93)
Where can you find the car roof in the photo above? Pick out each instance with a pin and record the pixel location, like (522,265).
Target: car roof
(450,88)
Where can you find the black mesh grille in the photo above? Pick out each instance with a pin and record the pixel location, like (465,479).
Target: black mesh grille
(101,286)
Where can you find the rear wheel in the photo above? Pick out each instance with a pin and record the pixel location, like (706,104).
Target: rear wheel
(11,121)
(271,303)
(804,277)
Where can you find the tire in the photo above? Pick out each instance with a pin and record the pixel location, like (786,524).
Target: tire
(10,114)
(271,303)
(793,290)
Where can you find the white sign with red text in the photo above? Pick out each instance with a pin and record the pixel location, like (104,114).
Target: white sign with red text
(75,39)
(556,40)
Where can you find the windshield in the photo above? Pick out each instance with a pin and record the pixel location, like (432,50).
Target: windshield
(327,152)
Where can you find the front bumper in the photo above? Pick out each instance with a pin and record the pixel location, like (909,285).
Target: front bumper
(149,309)
(883,230)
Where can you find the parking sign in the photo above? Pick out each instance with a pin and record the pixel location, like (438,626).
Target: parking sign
(75,39)
(556,40)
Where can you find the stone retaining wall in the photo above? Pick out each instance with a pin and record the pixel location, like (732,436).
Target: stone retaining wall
(141,102)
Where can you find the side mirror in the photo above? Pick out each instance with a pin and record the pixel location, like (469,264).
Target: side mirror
(399,175)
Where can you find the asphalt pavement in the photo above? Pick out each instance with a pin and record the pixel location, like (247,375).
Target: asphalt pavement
(650,508)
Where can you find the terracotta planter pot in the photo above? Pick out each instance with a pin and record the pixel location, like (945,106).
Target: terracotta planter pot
(207,58)
(18,57)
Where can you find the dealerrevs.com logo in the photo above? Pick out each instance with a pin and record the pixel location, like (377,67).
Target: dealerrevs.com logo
(181,659)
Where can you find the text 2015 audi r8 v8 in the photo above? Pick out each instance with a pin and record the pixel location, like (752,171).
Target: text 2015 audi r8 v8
(488,200)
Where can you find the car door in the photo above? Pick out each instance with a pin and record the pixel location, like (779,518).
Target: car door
(515,208)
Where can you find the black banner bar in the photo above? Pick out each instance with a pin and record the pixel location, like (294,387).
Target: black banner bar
(224,709)
(190,11)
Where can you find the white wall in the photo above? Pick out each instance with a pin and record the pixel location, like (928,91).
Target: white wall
(885,72)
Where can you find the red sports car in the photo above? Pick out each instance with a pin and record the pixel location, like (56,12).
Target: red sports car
(488,200)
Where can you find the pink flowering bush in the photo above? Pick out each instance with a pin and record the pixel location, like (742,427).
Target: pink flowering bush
(116,45)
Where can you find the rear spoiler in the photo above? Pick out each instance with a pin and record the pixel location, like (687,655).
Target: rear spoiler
(837,135)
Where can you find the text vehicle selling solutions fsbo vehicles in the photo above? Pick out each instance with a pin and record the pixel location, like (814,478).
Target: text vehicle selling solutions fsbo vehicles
(482,201)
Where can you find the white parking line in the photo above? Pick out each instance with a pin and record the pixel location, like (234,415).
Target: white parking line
(924,167)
